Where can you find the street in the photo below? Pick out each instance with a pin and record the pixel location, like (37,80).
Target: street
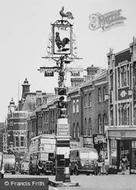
(105,182)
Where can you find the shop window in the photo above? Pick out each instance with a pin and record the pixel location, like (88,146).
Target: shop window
(133,144)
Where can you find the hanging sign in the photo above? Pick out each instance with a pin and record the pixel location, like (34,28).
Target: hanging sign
(49,73)
(62,42)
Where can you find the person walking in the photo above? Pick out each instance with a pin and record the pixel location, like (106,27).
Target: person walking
(100,165)
(124,164)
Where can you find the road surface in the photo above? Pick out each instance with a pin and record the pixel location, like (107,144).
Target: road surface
(105,182)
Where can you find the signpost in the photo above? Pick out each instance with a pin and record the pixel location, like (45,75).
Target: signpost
(61,51)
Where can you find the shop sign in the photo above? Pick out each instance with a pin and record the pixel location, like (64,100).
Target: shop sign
(62,38)
(74,144)
(88,141)
(99,139)
(123,93)
(63,127)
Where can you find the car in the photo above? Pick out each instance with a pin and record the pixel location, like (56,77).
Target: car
(24,169)
(9,163)
(83,160)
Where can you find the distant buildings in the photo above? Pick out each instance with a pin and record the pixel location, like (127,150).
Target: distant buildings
(16,136)
(87,111)
(2,130)
(101,110)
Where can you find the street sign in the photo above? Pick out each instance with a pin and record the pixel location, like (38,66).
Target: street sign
(49,73)
(63,127)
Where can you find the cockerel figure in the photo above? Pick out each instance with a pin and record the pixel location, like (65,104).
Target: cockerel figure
(61,43)
(67,14)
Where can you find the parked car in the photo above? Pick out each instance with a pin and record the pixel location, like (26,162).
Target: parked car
(24,168)
(83,160)
(1,166)
(9,163)
(39,165)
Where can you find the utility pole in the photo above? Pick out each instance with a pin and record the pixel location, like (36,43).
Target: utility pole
(61,51)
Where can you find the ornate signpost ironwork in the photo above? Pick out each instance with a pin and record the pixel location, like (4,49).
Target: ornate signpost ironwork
(61,51)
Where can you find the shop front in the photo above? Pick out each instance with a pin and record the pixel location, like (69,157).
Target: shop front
(122,143)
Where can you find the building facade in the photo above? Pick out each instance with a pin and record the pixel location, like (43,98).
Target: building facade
(121,133)
(17,133)
(74,116)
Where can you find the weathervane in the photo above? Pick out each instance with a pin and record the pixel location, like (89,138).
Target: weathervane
(67,14)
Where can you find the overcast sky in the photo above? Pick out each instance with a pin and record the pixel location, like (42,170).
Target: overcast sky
(24,33)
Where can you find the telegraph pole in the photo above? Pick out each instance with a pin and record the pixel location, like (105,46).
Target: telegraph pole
(61,51)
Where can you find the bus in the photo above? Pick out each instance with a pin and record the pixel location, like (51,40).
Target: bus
(42,154)
(83,160)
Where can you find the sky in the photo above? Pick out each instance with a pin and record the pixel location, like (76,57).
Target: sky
(25,27)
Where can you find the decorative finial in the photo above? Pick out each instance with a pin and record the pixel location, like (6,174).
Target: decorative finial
(67,14)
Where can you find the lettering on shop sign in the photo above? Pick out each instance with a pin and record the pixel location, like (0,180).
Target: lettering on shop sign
(106,21)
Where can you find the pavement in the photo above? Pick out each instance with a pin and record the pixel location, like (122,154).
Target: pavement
(102,182)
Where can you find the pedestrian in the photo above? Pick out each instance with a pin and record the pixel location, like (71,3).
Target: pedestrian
(100,164)
(124,164)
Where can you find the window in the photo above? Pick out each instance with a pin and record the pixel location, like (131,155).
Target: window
(89,99)
(16,141)
(125,114)
(90,127)
(111,80)
(100,125)
(74,131)
(128,75)
(124,75)
(99,95)
(118,77)
(85,127)
(134,115)
(104,93)
(77,105)
(77,131)
(85,100)
(105,122)
(74,106)
(22,142)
